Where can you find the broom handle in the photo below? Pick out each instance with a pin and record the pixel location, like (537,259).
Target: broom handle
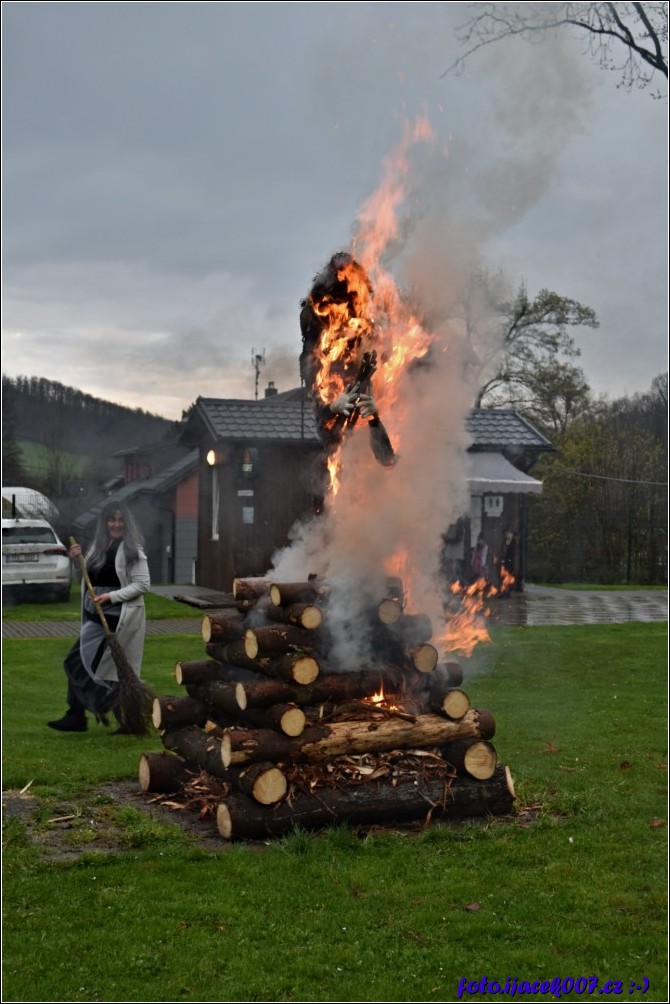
(84,571)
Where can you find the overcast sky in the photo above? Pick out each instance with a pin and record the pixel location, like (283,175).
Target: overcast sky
(176,173)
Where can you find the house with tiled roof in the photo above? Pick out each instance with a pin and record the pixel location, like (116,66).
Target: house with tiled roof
(165,505)
(256,478)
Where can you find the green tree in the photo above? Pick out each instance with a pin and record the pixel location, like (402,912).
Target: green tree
(601,516)
(629,39)
(12,465)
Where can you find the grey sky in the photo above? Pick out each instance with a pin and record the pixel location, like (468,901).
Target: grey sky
(175,174)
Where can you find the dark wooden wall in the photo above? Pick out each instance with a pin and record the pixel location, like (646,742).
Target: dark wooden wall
(257,507)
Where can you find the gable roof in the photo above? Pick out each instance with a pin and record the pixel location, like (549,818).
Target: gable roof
(269,419)
(156,483)
(289,417)
(492,429)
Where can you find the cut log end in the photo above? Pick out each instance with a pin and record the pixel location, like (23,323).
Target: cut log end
(389,611)
(265,783)
(250,644)
(293,721)
(161,773)
(424,657)
(311,617)
(455,704)
(480,760)
(241,696)
(305,670)
(224,822)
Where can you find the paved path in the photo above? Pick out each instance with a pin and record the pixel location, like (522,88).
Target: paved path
(536,606)
(70,629)
(542,605)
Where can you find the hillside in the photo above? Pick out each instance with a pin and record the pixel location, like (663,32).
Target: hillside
(65,420)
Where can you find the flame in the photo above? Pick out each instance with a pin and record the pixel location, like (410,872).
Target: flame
(368,312)
(378,697)
(334,472)
(507,580)
(465,626)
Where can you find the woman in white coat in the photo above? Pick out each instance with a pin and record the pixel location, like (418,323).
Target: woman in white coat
(119,572)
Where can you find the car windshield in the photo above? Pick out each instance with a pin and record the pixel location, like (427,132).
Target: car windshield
(28,535)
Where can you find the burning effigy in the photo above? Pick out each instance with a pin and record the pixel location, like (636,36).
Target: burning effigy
(331,691)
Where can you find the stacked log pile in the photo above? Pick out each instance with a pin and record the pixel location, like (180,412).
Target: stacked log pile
(267,736)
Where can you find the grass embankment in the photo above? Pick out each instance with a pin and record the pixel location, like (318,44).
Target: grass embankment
(574,886)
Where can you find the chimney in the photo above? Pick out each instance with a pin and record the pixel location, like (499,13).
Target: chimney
(271,390)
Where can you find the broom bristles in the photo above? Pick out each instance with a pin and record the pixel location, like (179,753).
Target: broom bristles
(135,698)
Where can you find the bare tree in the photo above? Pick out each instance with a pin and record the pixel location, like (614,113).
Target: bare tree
(629,38)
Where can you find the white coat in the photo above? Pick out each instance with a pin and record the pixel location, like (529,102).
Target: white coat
(130,631)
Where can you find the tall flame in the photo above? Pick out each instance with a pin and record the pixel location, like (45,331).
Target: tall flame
(371,313)
(465,626)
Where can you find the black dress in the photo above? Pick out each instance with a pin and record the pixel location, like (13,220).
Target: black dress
(85,691)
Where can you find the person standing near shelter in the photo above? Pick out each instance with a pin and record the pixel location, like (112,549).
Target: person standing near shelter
(119,573)
(479,564)
(507,564)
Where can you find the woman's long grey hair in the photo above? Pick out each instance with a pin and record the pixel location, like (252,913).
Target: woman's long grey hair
(133,542)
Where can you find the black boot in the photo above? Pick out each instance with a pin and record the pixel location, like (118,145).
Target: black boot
(73,721)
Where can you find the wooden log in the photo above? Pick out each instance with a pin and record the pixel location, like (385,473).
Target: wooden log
(198,749)
(230,698)
(251,589)
(453,703)
(239,818)
(262,642)
(448,674)
(323,742)
(173,712)
(413,629)
(203,752)
(294,667)
(477,757)
(288,719)
(423,657)
(199,670)
(242,746)
(304,615)
(162,773)
(389,611)
(222,695)
(336,687)
(236,652)
(222,627)
(264,782)
(287,593)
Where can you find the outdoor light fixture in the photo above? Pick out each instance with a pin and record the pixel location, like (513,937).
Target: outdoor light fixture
(215,457)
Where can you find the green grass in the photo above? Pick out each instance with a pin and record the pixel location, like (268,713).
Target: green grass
(579,891)
(157,607)
(38,459)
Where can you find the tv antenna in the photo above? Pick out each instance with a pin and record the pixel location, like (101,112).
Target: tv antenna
(257,360)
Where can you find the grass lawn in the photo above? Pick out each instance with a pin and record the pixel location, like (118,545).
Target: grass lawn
(157,608)
(572,885)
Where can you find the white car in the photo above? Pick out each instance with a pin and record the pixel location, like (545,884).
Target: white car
(34,560)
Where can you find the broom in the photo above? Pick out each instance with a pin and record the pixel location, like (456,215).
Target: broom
(135,698)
